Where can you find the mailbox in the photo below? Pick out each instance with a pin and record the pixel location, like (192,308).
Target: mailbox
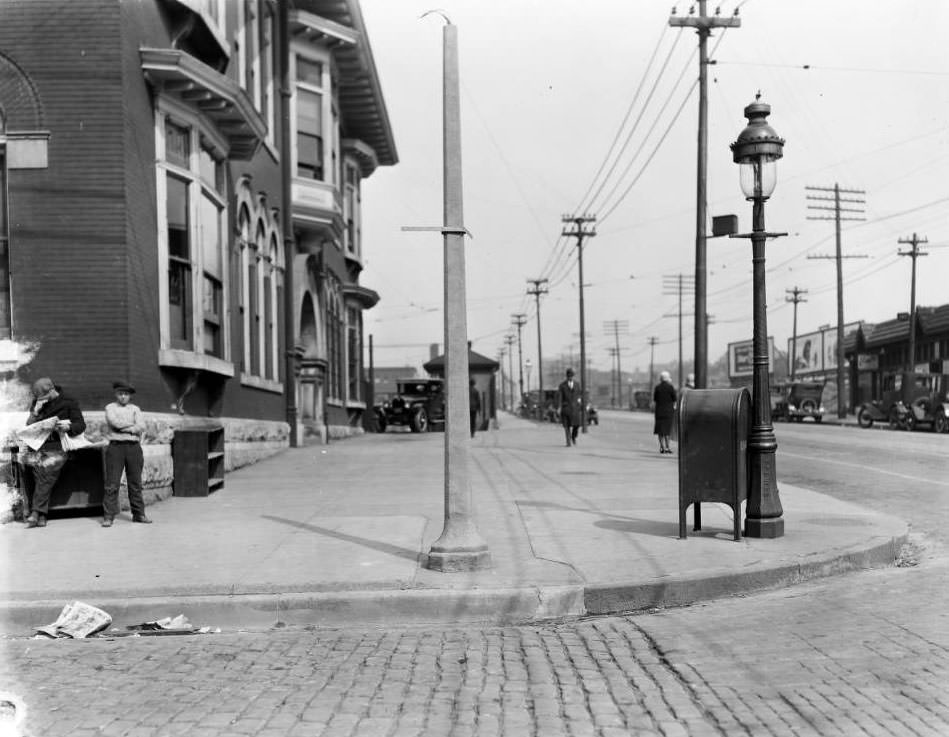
(713,428)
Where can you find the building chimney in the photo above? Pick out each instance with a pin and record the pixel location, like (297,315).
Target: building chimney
(432,351)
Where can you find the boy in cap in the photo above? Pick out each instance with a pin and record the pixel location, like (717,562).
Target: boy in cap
(126,426)
(47,462)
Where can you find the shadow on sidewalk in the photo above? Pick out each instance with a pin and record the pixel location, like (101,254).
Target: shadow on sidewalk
(413,555)
(618,522)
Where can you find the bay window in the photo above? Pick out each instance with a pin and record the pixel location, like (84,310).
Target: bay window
(192,243)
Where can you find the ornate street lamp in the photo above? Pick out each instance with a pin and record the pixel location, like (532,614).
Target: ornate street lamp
(756,150)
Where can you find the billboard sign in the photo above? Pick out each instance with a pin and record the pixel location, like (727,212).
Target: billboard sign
(741,355)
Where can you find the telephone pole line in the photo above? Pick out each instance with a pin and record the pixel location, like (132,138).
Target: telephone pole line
(519,319)
(857,198)
(614,327)
(914,254)
(677,284)
(795,297)
(509,342)
(653,340)
(703,25)
(579,232)
(539,289)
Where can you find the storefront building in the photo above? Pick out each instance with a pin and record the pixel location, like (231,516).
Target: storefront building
(143,228)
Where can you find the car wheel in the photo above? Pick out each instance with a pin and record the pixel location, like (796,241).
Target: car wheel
(910,422)
(420,421)
(864,419)
(808,406)
(941,423)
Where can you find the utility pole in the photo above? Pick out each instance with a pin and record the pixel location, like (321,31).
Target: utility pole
(795,297)
(519,320)
(678,284)
(538,290)
(703,25)
(652,354)
(501,352)
(613,327)
(580,233)
(509,342)
(914,254)
(856,199)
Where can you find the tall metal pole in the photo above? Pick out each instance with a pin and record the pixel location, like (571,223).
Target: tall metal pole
(652,356)
(460,546)
(703,25)
(914,254)
(289,245)
(763,517)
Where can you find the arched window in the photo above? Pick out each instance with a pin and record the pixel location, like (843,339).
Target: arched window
(246,254)
(334,341)
(255,278)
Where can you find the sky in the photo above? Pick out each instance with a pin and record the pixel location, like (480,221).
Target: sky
(592,108)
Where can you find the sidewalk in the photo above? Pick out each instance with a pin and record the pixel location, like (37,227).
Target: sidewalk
(338,534)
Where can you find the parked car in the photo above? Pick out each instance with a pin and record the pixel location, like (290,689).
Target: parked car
(418,404)
(909,401)
(796,400)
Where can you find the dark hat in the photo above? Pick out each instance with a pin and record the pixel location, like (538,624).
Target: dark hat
(42,387)
(122,386)
(569,372)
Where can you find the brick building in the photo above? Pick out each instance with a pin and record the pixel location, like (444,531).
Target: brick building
(145,178)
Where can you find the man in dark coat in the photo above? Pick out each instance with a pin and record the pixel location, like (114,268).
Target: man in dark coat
(49,459)
(571,398)
(474,404)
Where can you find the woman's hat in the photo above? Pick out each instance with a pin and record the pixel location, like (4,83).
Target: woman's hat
(123,386)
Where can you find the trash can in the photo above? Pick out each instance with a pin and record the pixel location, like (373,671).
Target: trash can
(713,428)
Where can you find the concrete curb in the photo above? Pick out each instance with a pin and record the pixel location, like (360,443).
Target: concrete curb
(612,599)
(500,606)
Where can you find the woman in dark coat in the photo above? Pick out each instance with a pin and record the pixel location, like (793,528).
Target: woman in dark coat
(664,398)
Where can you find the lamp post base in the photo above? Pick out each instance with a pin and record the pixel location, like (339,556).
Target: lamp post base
(768,528)
(459,560)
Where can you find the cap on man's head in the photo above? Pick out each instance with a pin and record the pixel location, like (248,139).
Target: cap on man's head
(122,386)
(42,387)
(569,372)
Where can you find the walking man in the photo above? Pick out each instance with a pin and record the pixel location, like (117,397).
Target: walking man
(474,405)
(571,398)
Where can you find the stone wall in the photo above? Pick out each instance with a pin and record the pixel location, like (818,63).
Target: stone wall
(246,441)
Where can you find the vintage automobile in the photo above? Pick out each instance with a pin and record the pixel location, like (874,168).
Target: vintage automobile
(909,401)
(796,400)
(418,404)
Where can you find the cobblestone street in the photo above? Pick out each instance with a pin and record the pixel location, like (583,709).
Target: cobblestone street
(866,654)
